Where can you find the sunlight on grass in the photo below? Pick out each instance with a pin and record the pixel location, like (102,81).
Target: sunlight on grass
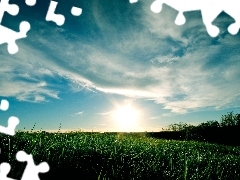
(121,156)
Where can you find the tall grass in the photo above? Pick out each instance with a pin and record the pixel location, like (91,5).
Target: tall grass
(121,156)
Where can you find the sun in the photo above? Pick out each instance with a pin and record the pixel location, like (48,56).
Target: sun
(127,118)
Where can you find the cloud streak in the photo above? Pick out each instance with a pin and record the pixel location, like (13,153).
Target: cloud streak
(79,113)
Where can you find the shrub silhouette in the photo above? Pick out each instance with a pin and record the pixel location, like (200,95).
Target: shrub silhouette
(223,132)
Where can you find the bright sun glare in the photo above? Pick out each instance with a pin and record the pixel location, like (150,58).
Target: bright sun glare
(126,118)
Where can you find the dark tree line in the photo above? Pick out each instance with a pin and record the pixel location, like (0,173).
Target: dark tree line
(228,120)
(226,131)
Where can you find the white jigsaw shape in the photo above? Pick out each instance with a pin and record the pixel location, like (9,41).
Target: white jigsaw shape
(12,9)
(59,19)
(31,171)
(210,9)
(30,2)
(4,105)
(12,124)
(4,170)
(133,1)
(7,35)
(76,11)
(12,121)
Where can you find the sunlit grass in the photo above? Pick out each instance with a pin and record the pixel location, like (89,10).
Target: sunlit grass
(121,156)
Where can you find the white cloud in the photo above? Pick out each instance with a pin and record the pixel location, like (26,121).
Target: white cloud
(80,113)
(109,113)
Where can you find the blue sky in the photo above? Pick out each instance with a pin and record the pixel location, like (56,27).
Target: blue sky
(117,53)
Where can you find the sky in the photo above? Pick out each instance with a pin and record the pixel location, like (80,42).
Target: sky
(80,75)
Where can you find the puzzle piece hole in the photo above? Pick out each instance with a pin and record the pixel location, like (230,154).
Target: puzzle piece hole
(51,16)
(43,167)
(12,123)
(30,2)
(22,156)
(31,171)
(133,1)
(233,28)
(156,7)
(12,48)
(213,31)
(13,9)
(4,105)
(4,169)
(24,26)
(76,11)
(180,19)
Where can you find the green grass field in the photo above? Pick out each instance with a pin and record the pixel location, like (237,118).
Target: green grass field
(120,156)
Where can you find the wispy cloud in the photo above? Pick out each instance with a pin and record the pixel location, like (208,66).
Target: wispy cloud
(80,113)
(25,80)
(109,113)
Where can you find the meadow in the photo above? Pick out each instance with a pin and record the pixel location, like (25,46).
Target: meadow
(82,155)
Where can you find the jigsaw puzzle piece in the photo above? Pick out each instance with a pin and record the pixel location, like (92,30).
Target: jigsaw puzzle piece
(234,27)
(133,1)
(208,16)
(156,6)
(4,170)
(209,10)
(59,19)
(12,9)
(30,2)
(9,36)
(76,11)
(180,19)
(4,105)
(31,171)
(12,124)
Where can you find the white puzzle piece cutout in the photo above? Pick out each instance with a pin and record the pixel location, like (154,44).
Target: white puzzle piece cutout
(12,121)
(30,2)
(75,11)
(8,35)
(4,105)
(12,124)
(4,170)
(210,9)
(12,9)
(31,171)
(133,1)
(59,19)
